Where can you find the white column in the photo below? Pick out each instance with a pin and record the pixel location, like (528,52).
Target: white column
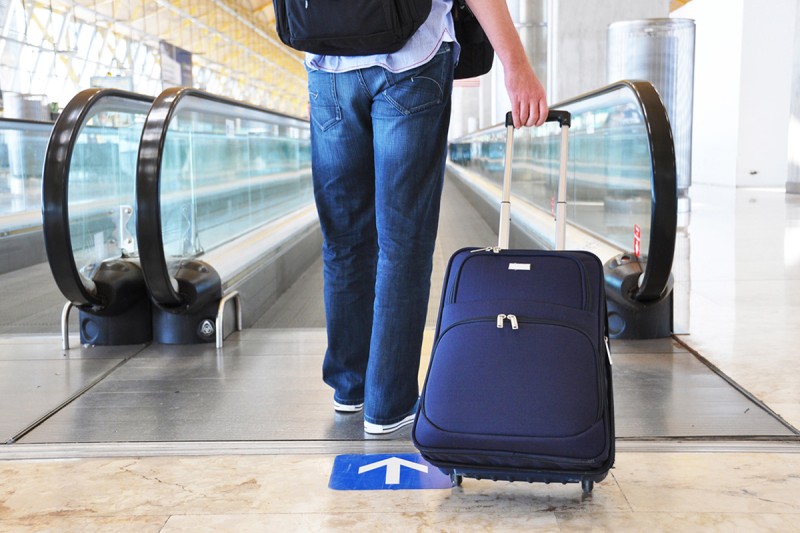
(793,179)
(742,96)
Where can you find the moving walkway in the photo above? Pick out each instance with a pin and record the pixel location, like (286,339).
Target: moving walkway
(263,385)
(22,147)
(220,186)
(155,210)
(89,210)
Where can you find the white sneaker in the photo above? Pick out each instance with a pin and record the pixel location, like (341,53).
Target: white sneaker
(344,408)
(381,429)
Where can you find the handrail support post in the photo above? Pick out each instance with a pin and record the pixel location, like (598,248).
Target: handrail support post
(220,321)
(65,325)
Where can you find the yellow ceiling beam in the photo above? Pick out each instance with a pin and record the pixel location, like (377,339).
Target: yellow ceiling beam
(258,7)
(675,4)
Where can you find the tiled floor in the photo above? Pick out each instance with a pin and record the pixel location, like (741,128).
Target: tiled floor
(738,297)
(666,491)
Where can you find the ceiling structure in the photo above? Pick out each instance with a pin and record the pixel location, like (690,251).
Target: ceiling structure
(675,4)
(230,40)
(237,36)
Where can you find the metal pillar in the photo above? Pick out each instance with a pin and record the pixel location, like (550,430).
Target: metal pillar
(661,51)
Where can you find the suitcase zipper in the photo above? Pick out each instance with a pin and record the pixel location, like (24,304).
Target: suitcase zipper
(499,321)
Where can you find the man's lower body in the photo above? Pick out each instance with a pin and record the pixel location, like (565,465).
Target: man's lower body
(379,144)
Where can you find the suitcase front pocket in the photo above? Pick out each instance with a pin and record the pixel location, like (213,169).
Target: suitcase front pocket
(545,277)
(539,380)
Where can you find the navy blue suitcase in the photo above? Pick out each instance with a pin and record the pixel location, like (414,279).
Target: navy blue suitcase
(519,383)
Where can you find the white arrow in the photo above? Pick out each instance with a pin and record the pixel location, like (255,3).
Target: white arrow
(393,465)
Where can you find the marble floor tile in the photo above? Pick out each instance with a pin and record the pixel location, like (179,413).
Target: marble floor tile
(671,491)
(741,290)
(387,521)
(295,485)
(55,523)
(711,482)
(675,522)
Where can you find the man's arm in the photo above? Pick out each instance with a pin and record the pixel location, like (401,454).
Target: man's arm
(528,100)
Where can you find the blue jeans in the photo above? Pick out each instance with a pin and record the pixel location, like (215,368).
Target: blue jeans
(378,145)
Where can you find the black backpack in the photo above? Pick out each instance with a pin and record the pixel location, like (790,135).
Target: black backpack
(367,27)
(349,27)
(477,52)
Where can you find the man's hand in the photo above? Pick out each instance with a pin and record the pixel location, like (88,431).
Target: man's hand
(528,101)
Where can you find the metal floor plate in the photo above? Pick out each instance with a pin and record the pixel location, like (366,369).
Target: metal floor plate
(37,377)
(265,386)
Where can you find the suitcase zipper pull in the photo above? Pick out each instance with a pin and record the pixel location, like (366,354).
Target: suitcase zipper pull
(608,351)
(511,318)
(494,249)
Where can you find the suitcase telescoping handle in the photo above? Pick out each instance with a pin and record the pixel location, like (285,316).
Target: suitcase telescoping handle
(564,119)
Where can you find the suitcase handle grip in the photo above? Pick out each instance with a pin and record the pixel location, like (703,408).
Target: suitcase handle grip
(564,118)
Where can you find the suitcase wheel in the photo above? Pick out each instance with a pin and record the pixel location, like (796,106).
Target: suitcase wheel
(456,479)
(587,485)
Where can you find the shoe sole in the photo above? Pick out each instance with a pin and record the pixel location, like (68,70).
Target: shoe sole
(381,429)
(342,408)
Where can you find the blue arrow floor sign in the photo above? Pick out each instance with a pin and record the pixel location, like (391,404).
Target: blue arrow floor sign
(386,472)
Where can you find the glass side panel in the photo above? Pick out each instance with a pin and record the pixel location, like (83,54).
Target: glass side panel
(102,184)
(225,171)
(22,148)
(609,173)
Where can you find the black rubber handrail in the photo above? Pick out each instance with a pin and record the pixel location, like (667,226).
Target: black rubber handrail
(664,185)
(55,189)
(163,289)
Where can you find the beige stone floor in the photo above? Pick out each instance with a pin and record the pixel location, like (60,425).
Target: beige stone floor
(664,491)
